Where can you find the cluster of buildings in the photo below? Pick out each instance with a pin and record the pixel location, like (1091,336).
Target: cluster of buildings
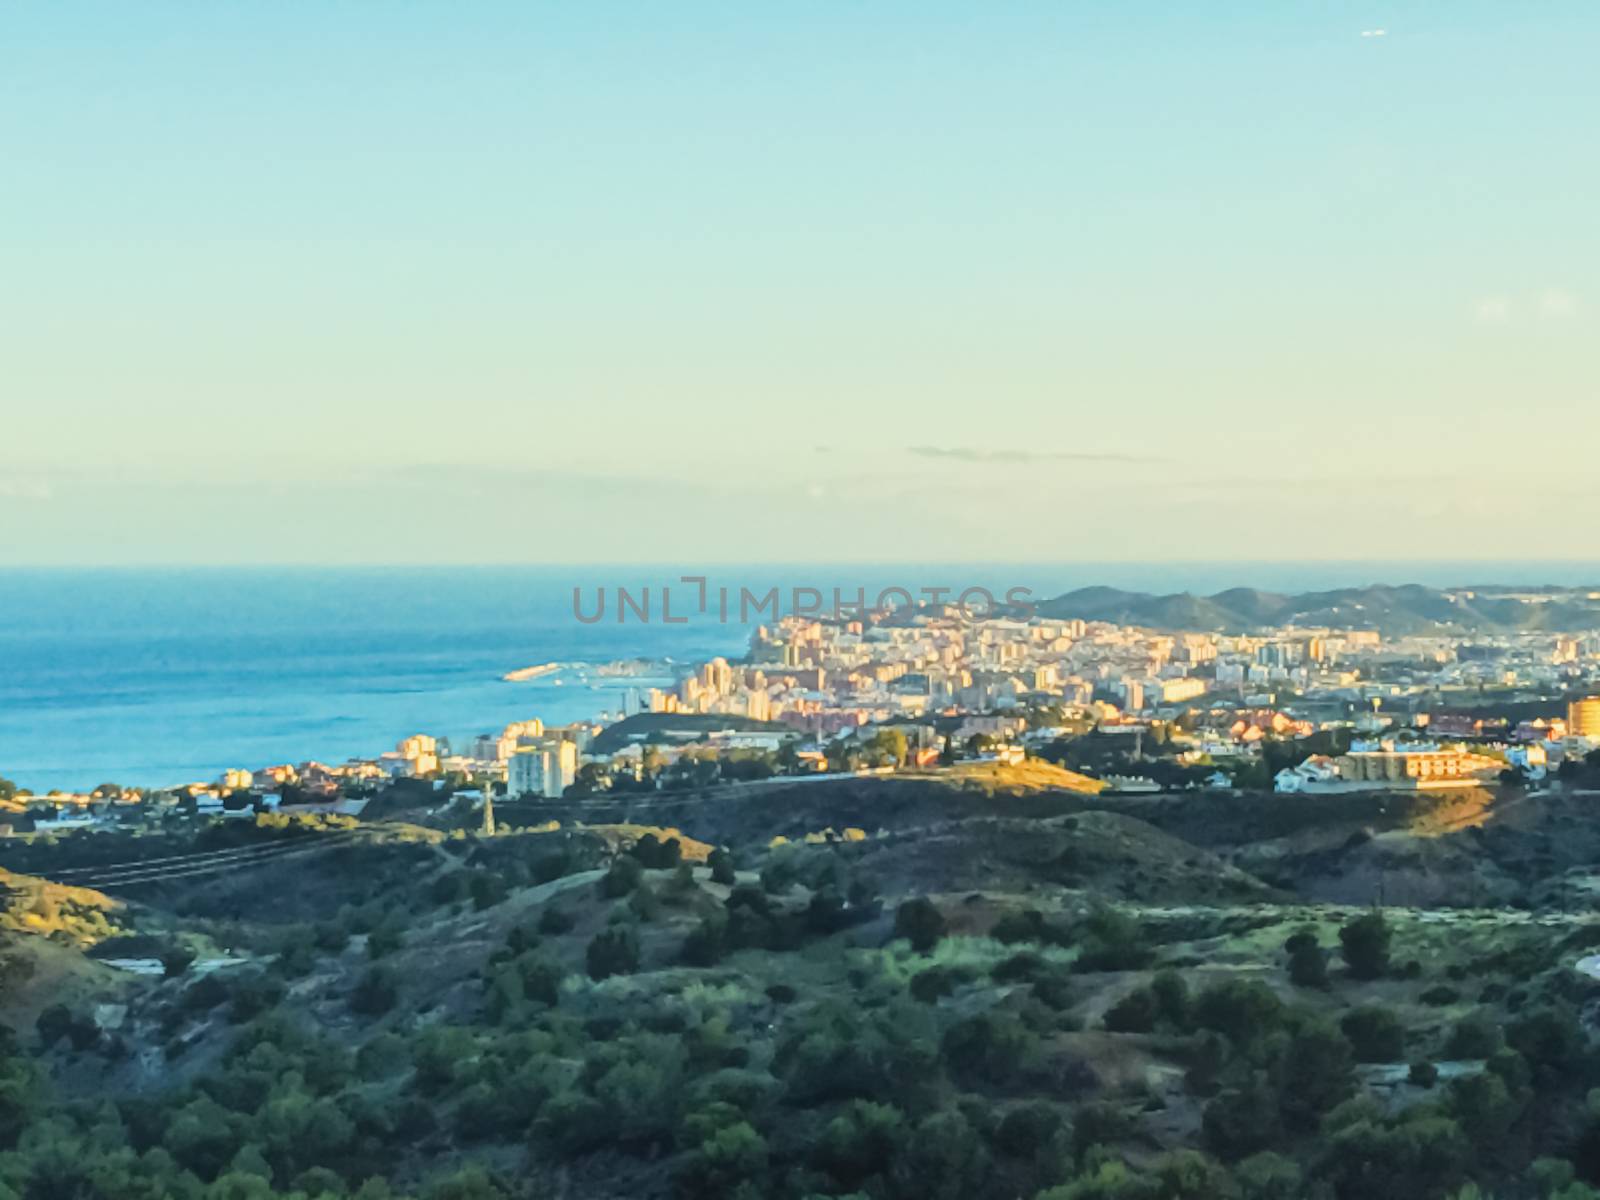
(1390,766)
(1004,688)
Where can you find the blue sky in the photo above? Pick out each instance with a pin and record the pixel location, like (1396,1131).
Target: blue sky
(303,282)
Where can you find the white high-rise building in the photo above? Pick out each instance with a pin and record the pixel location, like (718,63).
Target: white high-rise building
(546,769)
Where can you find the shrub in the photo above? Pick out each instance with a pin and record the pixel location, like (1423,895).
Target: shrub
(1027,1129)
(934,984)
(613,951)
(1134,1013)
(384,940)
(862,1140)
(1243,1010)
(555,921)
(1308,964)
(1269,1176)
(204,994)
(1027,925)
(992,1046)
(721,864)
(254,995)
(1172,998)
(1019,967)
(1111,941)
(655,854)
(1242,1121)
(176,961)
(374,994)
(1314,1073)
(921,923)
(1475,1036)
(1375,1034)
(621,877)
(1423,1074)
(707,942)
(1364,942)
(487,888)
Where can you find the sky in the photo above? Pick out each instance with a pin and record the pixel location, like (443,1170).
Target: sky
(302,282)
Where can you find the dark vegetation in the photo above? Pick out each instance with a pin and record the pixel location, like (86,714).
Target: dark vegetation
(1072,1005)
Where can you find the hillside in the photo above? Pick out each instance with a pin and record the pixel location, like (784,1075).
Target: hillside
(672,727)
(1395,611)
(74,916)
(898,989)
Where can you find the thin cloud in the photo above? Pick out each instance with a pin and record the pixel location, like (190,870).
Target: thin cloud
(24,489)
(1374,33)
(1557,303)
(1493,310)
(969,454)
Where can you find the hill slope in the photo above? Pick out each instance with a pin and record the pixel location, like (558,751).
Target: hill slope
(1406,609)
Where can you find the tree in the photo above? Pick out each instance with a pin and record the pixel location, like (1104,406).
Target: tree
(554,921)
(469,1183)
(54,1023)
(920,922)
(861,1141)
(621,877)
(1172,998)
(1308,966)
(1364,942)
(1477,1035)
(1134,1013)
(707,942)
(1269,1176)
(1109,940)
(176,960)
(1375,1034)
(1308,962)
(944,1159)
(721,864)
(1314,1073)
(655,854)
(1243,1010)
(726,1163)
(887,746)
(374,994)
(1242,1121)
(992,1046)
(614,951)
(1028,1129)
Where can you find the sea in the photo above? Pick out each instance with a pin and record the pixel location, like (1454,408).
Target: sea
(151,677)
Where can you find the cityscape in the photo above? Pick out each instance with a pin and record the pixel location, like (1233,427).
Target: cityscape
(799,602)
(920,687)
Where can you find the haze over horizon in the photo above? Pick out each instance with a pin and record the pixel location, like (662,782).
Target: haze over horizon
(517,284)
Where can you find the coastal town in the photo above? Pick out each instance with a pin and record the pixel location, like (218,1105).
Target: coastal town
(918,688)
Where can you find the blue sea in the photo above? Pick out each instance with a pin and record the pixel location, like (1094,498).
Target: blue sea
(151,677)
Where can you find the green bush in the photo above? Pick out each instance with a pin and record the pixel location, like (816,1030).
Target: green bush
(375,993)
(1364,942)
(613,951)
(1376,1034)
(554,921)
(921,923)
(1135,1013)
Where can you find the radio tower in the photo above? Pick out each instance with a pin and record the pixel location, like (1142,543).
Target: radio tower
(488,808)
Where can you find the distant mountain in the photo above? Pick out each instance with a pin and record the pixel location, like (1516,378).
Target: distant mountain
(1405,609)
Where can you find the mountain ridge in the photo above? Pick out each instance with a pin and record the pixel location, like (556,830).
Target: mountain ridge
(1400,609)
